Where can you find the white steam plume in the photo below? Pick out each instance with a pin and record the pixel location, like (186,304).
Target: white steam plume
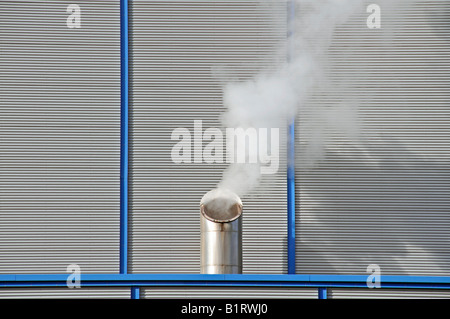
(274,99)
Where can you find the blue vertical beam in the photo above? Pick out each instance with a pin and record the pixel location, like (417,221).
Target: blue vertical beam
(123,250)
(135,293)
(291,152)
(291,201)
(323,293)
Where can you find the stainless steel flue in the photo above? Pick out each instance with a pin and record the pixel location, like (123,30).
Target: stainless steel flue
(221,233)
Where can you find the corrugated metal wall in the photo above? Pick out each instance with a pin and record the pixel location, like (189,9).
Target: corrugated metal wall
(371,188)
(227,292)
(59,137)
(180,53)
(65,293)
(349,293)
(374,184)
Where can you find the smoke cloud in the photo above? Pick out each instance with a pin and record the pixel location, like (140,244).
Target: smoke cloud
(274,99)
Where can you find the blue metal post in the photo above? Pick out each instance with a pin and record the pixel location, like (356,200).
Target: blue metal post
(291,201)
(291,156)
(135,292)
(123,258)
(323,293)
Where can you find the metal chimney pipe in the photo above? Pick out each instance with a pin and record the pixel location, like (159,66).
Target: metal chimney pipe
(221,233)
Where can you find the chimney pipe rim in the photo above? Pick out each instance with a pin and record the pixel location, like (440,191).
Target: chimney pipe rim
(221,206)
(210,217)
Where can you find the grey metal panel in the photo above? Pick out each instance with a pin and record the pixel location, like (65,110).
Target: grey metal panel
(227,293)
(63,293)
(59,137)
(181,51)
(375,187)
(349,293)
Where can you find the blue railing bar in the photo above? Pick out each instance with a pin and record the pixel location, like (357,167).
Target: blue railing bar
(42,284)
(226,277)
(30,280)
(123,246)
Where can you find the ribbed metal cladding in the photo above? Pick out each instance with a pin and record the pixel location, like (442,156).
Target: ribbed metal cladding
(349,293)
(227,293)
(63,293)
(59,137)
(374,183)
(180,53)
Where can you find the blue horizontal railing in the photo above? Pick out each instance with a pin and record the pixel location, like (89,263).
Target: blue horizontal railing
(135,281)
(202,280)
